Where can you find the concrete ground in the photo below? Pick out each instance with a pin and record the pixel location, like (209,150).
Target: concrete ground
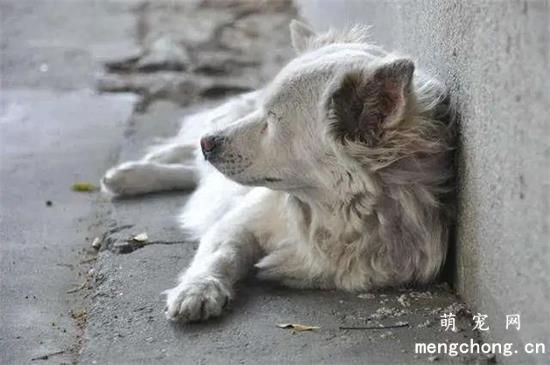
(61,302)
(55,130)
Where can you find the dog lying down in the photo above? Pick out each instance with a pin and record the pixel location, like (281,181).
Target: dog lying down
(337,175)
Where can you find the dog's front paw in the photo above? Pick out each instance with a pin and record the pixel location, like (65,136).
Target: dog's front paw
(125,179)
(196,300)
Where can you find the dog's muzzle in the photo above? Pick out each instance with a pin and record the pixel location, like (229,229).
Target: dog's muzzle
(211,146)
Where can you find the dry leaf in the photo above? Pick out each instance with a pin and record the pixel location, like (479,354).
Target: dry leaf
(142,237)
(83,187)
(297,327)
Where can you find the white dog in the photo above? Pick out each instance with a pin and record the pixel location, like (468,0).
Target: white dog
(336,175)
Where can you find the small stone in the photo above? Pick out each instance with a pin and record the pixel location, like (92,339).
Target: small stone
(141,237)
(49,203)
(402,299)
(96,243)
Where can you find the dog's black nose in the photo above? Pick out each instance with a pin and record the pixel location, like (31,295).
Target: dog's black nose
(209,145)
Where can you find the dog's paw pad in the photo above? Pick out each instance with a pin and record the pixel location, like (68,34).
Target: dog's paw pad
(196,300)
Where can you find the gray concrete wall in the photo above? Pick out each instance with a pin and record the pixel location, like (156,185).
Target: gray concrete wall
(494,57)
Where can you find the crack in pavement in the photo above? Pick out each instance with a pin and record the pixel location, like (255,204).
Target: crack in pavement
(167,242)
(129,246)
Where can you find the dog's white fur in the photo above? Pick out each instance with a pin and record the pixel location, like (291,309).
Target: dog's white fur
(333,176)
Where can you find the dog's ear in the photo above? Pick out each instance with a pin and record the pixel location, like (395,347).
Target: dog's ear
(300,35)
(365,102)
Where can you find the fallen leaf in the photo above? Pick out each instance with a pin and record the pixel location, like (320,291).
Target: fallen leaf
(142,237)
(84,187)
(297,327)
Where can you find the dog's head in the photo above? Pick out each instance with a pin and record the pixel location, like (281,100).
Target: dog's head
(325,110)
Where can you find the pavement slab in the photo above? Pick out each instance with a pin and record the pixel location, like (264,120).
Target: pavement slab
(55,130)
(46,145)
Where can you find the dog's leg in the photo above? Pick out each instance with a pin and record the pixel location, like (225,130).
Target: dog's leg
(165,167)
(141,177)
(288,266)
(226,253)
(171,153)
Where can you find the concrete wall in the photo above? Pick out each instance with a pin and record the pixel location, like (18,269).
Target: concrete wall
(494,57)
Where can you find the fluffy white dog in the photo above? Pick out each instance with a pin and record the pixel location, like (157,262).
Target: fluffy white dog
(336,175)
